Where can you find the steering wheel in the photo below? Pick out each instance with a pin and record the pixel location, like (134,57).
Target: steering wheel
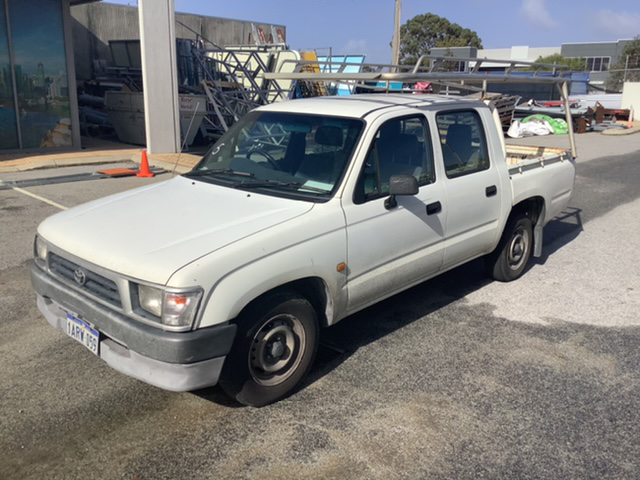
(270,160)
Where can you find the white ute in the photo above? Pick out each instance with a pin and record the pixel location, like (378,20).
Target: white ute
(303,213)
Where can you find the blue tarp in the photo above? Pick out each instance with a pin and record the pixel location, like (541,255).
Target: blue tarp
(579,83)
(334,67)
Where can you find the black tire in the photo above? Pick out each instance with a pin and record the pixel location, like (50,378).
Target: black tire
(509,260)
(274,348)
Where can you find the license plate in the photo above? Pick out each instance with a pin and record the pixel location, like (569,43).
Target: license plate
(82,332)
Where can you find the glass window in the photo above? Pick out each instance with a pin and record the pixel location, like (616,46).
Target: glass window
(8,129)
(282,154)
(41,73)
(135,54)
(597,64)
(464,144)
(401,147)
(119,53)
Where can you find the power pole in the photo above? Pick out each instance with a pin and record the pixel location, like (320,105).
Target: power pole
(395,45)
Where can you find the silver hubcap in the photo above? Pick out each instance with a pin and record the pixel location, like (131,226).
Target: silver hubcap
(518,248)
(276,350)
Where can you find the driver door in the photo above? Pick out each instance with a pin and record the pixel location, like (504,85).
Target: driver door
(390,249)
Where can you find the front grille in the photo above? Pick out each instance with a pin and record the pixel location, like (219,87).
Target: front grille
(94,284)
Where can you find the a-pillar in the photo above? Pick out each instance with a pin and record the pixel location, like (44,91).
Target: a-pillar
(159,75)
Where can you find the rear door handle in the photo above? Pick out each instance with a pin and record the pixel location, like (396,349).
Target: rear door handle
(433,208)
(491,191)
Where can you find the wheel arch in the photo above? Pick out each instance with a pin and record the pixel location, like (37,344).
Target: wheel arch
(314,289)
(534,208)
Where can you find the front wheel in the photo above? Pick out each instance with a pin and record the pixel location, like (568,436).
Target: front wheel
(275,346)
(508,261)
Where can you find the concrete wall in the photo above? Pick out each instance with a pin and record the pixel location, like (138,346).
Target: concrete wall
(524,53)
(464,52)
(456,52)
(631,98)
(595,49)
(521,53)
(93,25)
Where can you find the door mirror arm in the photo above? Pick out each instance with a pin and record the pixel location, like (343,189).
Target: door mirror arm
(400,185)
(390,202)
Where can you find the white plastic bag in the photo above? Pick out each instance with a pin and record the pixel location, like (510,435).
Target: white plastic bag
(531,128)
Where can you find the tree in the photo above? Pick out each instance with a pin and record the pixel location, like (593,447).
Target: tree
(627,68)
(574,64)
(424,32)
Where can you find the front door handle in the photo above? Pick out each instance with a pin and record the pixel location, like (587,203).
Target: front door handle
(433,208)
(491,191)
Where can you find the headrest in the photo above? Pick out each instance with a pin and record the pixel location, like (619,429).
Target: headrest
(459,134)
(329,135)
(390,129)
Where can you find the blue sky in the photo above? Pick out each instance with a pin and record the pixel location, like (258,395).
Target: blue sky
(366,26)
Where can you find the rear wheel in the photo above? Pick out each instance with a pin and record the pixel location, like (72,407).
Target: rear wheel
(275,346)
(509,260)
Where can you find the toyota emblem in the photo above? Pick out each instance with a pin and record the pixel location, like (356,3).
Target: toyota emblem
(79,276)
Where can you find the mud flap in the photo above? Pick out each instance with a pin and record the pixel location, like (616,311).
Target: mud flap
(537,240)
(537,233)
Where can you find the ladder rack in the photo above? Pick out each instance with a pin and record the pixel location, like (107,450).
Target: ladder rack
(423,72)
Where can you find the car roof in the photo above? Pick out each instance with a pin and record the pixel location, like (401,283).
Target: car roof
(361,105)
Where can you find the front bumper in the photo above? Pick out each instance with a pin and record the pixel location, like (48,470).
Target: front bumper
(177,361)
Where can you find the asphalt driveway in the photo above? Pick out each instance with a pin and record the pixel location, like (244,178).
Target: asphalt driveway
(458,377)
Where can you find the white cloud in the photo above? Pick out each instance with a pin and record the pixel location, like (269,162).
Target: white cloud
(617,24)
(354,47)
(535,12)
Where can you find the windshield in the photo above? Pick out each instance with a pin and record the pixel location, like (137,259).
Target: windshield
(285,154)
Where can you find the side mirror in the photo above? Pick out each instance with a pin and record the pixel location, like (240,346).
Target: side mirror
(400,185)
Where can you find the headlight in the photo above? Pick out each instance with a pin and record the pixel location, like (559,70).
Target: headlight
(176,309)
(150,299)
(40,251)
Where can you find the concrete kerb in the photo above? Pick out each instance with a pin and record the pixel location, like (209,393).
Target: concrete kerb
(180,162)
(635,128)
(62,160)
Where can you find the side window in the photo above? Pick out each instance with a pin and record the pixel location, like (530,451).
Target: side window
(401,147)
(464,144)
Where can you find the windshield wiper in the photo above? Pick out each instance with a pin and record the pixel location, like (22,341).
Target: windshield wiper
(218,171)
(278,183)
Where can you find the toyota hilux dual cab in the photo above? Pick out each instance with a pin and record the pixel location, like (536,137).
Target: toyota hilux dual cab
(303,213)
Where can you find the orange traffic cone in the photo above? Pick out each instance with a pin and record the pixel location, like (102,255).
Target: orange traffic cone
(144,166)
(630,123)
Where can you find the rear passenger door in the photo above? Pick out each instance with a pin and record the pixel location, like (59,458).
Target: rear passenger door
(472,184)
(389,249)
